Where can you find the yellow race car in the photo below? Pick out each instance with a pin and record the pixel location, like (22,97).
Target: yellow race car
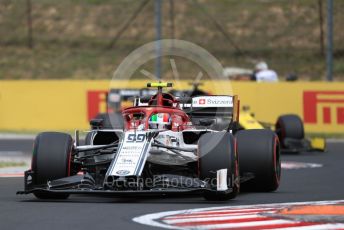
(289,129)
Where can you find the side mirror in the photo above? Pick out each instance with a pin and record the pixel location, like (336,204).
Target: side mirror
(127,117)
(206,122)
(96,123)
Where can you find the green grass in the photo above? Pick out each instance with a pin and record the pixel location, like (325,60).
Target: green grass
(11,164)
(71,36)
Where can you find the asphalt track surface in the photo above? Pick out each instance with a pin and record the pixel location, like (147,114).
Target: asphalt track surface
(86,212)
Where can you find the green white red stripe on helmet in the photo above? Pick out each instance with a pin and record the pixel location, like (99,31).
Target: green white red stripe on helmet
(160,118)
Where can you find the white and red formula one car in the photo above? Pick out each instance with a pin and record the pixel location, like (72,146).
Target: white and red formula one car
(168,146)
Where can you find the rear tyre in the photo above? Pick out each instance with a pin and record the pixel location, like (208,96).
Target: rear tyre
(259,154)
(51,160)
(217,151)
(289,126)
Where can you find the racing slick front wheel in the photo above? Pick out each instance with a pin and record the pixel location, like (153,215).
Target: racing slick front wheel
(51,160)
(289,126)
(217,151)
(260,165)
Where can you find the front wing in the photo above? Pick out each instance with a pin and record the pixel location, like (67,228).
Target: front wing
(83,185)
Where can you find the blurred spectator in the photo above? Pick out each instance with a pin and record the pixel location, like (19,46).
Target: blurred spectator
(262,73)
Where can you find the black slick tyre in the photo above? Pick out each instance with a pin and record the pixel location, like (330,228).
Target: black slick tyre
(51,160)
(289,126)
(259,153)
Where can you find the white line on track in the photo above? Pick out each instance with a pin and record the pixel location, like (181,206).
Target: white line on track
(12,136)
(11,175)
(212,218)
(214,215)
(242,225)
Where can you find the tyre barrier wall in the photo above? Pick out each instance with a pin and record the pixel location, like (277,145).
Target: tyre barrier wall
(68,105)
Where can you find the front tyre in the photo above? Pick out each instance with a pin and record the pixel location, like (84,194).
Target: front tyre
(51,160)
(259,153)
(217,151)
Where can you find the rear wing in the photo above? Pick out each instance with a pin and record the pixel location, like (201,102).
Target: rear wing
(213,106)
